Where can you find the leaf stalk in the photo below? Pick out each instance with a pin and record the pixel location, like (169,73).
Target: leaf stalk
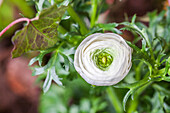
(114,100)
(15,22)
(77,19)
(94,10)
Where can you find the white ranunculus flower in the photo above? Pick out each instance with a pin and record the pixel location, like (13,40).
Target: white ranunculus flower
(103,59)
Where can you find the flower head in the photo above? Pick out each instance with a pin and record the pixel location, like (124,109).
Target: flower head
(103,59)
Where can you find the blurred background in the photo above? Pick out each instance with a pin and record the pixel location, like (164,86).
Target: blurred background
(21,93)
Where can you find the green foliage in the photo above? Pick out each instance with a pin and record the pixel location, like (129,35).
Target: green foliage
(110,27)
(54,68)
(59,99)
(150,63)
(61,27)
(156,58)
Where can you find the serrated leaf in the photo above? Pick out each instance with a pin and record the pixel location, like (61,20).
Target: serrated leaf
(66,61)
(59,69)
(38,71)
(68,52)
(38,58)
(133,27)
(39,34)
(55,76)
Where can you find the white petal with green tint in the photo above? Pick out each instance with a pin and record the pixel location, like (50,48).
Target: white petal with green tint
(103,59)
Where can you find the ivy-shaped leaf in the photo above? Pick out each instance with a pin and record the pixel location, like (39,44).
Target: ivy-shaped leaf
(39,34)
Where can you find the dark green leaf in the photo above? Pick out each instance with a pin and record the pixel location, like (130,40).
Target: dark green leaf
(133,27)
(39,34)
(133,46)
(161,89)
(160,56)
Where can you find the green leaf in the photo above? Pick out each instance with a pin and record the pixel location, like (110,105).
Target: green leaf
(58,67)
(55,76)
(167,70)
(168,15)
(39,34)
(47,82)
(40,4)
(133,19)
(133,46)
(109,27)
(38,71)
(53,101)
(161,89)
(93,30)
(133,27)
(123,85)
(38,58)
(85,105)
(160,56)
(126,98)
(144,46)
(62,2)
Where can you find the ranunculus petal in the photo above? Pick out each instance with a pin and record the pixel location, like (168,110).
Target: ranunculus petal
(103,59)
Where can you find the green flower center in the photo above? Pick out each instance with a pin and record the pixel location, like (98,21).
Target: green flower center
(102,58)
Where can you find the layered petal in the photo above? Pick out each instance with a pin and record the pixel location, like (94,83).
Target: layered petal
(103,59)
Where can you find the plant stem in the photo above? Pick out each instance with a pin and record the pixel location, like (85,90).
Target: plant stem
(134,103)
(114,100)
(94,10)
(17,21)
(77,19)
(13,23)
